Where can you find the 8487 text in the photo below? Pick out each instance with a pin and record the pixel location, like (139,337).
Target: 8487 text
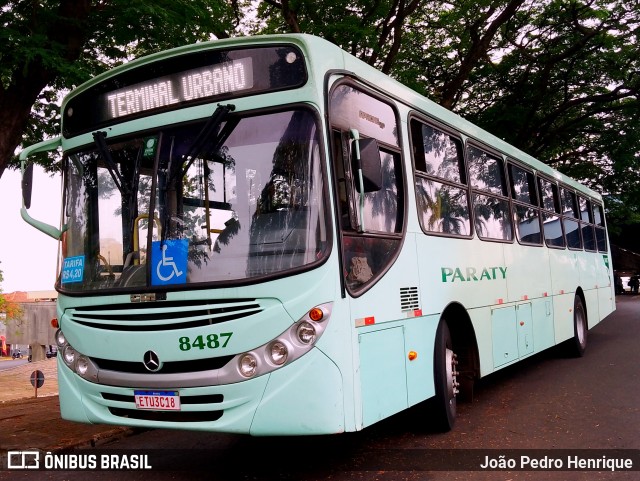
(211,341)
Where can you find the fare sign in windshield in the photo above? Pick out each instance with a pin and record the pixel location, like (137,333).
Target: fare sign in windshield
(210,81)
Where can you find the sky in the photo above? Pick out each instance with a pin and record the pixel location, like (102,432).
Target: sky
(27,256)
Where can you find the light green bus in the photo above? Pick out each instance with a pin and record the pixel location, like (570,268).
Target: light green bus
(264,235)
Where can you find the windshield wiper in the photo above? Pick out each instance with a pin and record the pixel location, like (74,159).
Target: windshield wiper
(127,188)
(208,135)
(204,136)
(101,144)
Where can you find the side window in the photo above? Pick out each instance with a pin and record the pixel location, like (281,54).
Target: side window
(441,193)
(489,195)
(570,216)
(525,205)
(372,221)
(382,210)
(551,220)
(586,224)
(601,233)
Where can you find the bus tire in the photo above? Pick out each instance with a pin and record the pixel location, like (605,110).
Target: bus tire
(445,378)
(578,344)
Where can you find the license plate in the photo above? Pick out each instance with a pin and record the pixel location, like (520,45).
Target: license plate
(158,400)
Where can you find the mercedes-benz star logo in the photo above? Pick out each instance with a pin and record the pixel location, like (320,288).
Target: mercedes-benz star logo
(151,361)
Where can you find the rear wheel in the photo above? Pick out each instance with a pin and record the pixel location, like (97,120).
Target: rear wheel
(578,344)
(446,379)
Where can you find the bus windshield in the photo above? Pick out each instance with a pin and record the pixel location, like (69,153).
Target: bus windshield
(231,199)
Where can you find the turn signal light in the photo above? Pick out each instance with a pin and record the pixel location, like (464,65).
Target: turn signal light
(54,323)
(412,355)
(316,314)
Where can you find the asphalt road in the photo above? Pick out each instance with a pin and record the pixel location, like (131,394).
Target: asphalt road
(543,406)
(12,363)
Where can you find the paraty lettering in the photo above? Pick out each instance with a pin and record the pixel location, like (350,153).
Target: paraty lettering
(473,274)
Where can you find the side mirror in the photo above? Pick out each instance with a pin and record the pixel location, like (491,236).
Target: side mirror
(27,184)
(365,156)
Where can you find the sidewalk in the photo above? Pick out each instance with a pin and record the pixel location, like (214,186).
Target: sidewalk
(27,422)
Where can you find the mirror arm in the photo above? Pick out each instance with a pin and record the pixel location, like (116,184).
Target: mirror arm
(41,226)
(44,146)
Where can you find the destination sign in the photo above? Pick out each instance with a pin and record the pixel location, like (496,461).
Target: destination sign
(207,75)
(228,77)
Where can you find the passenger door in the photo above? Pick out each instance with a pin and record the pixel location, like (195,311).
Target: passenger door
(371,225)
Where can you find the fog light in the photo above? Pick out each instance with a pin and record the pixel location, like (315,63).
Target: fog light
(82,365)
(278,353)
(306,333)
(69,355)
(60,339)
(248,365)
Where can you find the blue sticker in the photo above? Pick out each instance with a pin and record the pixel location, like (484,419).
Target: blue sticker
(169,262)
(72,269)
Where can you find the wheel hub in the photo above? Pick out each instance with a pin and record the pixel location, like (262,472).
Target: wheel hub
(452,374)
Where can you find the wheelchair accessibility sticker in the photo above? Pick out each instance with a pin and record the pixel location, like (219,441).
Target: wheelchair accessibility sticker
(169,262)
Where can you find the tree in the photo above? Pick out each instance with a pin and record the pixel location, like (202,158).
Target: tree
(370,30)
(557,78)
(51,46)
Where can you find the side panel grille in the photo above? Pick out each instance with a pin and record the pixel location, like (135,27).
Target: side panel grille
(409,299)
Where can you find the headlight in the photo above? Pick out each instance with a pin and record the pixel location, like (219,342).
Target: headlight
(306,333)
(60,339)
(82,365)
(69,355)
(78,362)
(248,365)
(299,338)
(278,352)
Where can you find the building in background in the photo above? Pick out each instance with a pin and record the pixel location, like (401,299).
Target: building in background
(32,333)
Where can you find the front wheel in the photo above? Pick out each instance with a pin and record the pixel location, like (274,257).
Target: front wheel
(578,344)
(446,379)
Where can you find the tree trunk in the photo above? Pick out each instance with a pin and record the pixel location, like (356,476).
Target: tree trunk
(67,34)
(15,108)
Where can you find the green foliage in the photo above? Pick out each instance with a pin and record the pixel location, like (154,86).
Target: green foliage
(369,30)
(50,47)
(557,78)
